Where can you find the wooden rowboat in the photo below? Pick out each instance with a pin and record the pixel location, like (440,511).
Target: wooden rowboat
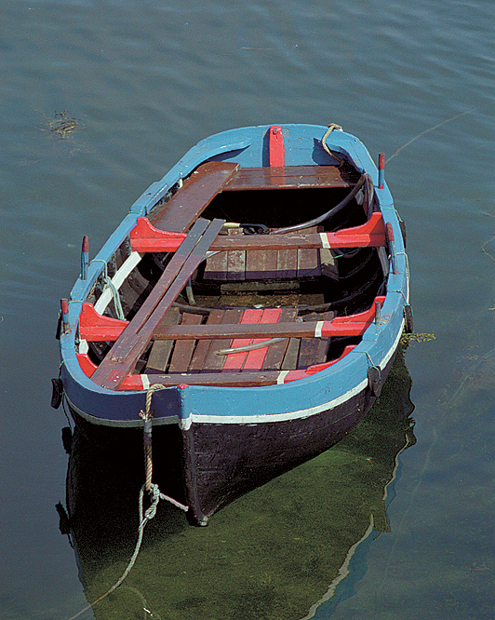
(252,302)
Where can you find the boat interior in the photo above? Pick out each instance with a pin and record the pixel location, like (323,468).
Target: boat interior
(240,276)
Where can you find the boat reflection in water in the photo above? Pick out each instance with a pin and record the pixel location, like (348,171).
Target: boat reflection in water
(284,551)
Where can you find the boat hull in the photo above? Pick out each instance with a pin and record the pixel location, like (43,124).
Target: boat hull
(214,441)
(205,466)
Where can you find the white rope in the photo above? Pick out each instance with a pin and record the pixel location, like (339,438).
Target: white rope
(155,495)
(147,416)
(113,290)
(143,520)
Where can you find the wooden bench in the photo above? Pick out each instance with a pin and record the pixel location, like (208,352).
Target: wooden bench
(131,344)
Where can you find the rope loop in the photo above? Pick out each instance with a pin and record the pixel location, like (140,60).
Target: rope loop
(111,286)
(147,414)
(151,511)
(331,127)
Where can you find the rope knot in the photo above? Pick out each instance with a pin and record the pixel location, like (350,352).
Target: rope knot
(151,511)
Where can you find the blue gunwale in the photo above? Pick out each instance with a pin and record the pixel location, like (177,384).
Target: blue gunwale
(229,405)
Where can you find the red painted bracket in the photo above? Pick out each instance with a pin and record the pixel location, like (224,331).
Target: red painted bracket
(276,146)
(352,325)
(131,382)
(146,238)
(311,370)
(370,234)
(97,328)
(294,375)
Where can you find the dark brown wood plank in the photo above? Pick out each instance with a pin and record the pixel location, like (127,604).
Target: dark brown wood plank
(236,260)
(314,350)
(308,260)
(133,341)
(201,352)
(216,267)
(261,264)
(276,352)
(160,352)
(286,177)
(260,330)
(286,263)
(308,352)
(291,355)
(195,195)
(183,350)
(225,379)
(329,265)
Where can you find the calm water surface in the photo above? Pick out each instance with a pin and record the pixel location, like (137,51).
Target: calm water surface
(145,82)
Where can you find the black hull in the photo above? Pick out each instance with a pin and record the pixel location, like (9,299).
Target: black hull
(208,466)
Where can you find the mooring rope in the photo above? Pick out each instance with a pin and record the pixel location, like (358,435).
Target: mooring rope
(155,495)
(143,520)
(109,285)
(147,416)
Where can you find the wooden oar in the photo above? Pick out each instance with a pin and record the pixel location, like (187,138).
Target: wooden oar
(130,345)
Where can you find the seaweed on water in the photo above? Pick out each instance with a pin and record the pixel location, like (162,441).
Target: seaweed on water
(63,124)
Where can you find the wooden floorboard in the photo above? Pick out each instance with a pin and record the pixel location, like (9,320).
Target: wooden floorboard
(160,352)
(183,349)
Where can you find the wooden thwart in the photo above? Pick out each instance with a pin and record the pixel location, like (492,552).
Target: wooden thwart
(133,341)
(147,238)
(287,177)
(301,329)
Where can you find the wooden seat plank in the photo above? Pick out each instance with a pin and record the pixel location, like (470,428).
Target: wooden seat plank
(146,238)
(191,200)
(287,177)
(272,330)
(223,379)
(133,341)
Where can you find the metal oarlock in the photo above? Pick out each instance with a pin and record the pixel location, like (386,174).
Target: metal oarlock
(64,307)
(381,170)
(84,258)
(378,312)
